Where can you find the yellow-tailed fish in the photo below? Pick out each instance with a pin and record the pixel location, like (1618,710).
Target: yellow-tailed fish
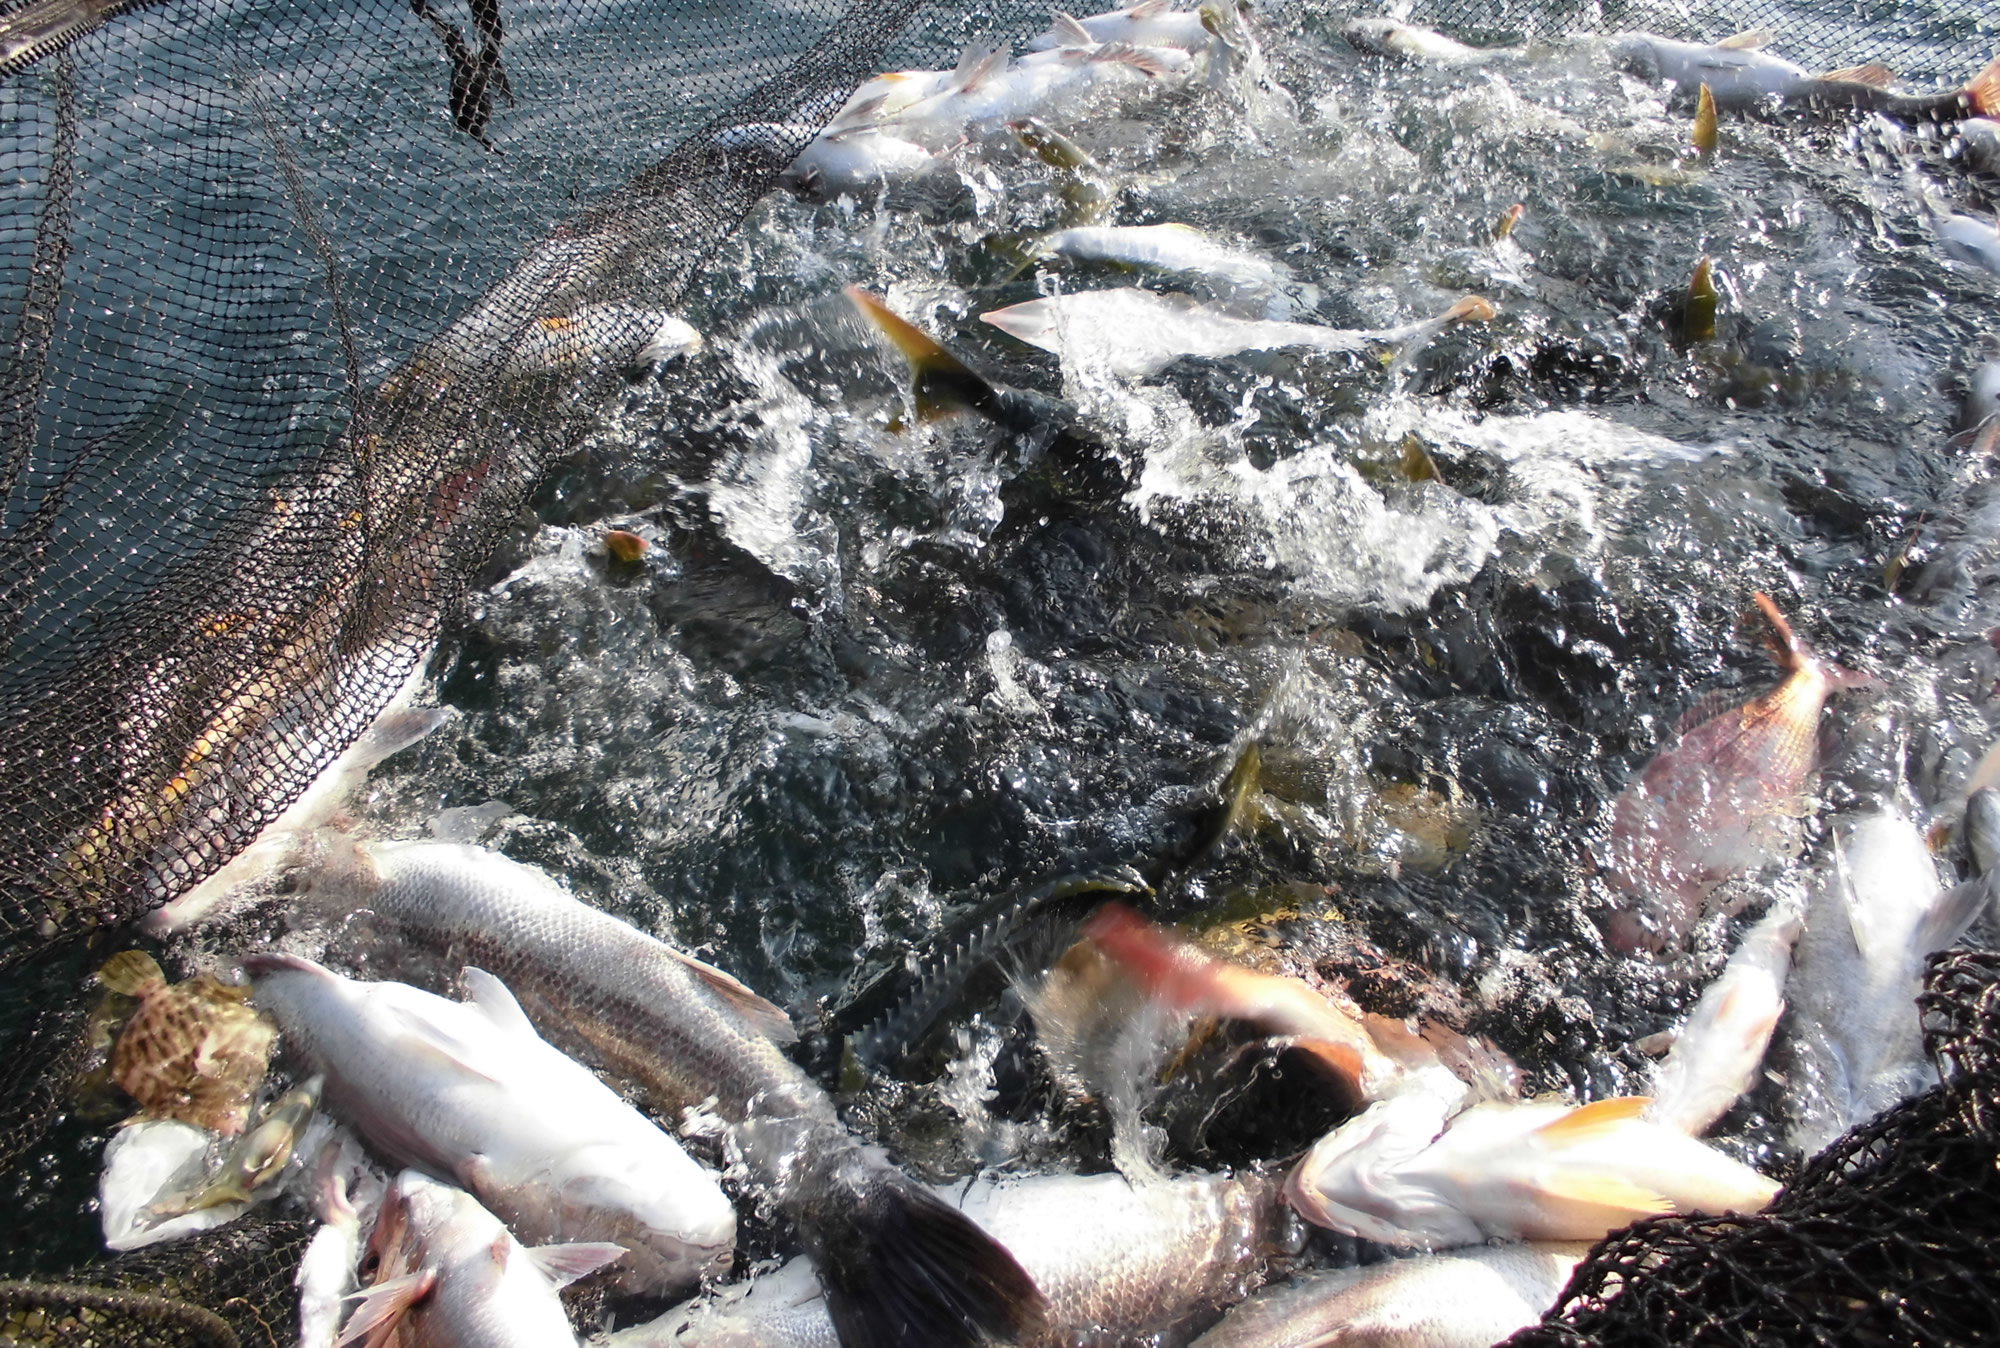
(258,1158)
(1406,1172)
(1707,135)
(1698,321)
(1741,74)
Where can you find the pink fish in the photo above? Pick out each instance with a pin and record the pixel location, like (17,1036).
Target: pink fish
(1723,800)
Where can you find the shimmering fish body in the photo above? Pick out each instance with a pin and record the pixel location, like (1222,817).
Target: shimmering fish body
(1724,799)
(1877,910)
(1403,1174)
(1150,24)
(1718,1054)
(1740,74)
(470,1090)
(1470,1299)
(1133,333)
(889,1252)
(1420,46)
(1118,1261)
(469,1283)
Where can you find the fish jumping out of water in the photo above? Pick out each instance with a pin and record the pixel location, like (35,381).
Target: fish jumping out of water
(1723,799)
(1717,1055)
(1419,46)
(1876,911)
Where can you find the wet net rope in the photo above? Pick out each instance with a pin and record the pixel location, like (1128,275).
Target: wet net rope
(293,304)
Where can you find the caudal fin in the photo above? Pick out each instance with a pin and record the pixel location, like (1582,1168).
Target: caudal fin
(904,1269)
(1983,93)
(943,384)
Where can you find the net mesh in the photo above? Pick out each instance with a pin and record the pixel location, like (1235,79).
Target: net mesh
(298,305)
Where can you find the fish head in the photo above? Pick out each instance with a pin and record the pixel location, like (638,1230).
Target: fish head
(1638,54)
(1354,1180)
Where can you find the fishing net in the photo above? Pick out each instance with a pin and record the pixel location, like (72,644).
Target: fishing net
(299,303)
(1885,1238)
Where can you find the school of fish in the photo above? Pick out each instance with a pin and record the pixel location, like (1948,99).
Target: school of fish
(488,1089)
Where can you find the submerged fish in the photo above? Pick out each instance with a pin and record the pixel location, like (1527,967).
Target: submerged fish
(193,1051)
(1468,1300)
(1401,1173)
(1968,238)
(613,332)
(1724,799)
(469,1283)
(1407,42)
(1179,250)
(469,1090)
(1119,1262)
(1718,1054)
(1740,74)
(1876,911)
(900,1267)
(1134,333)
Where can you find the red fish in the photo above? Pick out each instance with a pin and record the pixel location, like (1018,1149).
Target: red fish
(1724,799)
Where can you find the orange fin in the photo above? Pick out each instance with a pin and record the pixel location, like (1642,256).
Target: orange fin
(133,973)
(1874,75)
(1620,1198)
(1596,1117)
(1471,309)
(1784,644)
(1983,91)
(1751,39)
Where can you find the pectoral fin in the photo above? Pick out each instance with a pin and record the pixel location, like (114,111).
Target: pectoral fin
(564,1264)
(384,1305)
(1593,1120)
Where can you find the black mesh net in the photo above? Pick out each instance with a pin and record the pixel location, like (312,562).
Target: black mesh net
(1883,1238)
(299,303)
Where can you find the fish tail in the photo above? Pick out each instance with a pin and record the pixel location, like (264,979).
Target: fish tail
(903,1268)
(1171,972)
(1982,92)
(1786,648)
(941,381)
(133,973)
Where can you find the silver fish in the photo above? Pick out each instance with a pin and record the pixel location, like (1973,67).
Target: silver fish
(1467,1300)
(1134,333)
(1118,1261)
(470,1284)
(1740,74)
(470,1090)
(1407,42)
(899,1265)
(1979,144)
(1719,1052)
(1877,910)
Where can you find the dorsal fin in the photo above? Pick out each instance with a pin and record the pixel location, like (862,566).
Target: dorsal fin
(765,1017)
(1589,1120)
(978,65)
(425,1040)
(497,1003)
(1750,39)
(1070,32)
(1874,75)
(1148,9)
